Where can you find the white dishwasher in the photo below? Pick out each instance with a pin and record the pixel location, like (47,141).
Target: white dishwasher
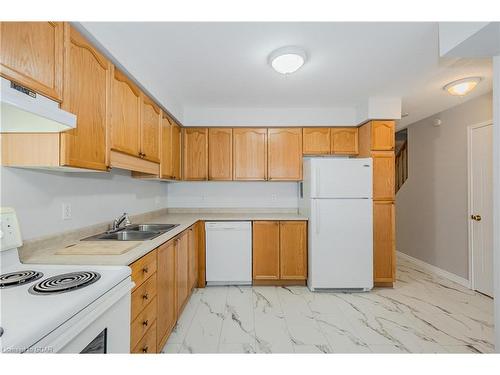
(228,252)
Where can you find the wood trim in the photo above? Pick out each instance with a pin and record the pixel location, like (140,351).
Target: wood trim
(281,282)
(131,163)
(30,149)
(384,284)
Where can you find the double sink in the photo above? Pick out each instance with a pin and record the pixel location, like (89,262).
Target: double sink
(133,232)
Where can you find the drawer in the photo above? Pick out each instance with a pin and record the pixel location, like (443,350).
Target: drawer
(147,345)
(143,268)
(142,295)
(142,323)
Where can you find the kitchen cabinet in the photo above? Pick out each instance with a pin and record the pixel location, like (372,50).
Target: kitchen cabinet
(193,257)
(167,301)
(143,324)
(220,154)
(384,164)
(279,252)
(125,115)
(249,154)
(150,130)
(382,135)
(147,345)
(182,270)
(142,295)
(195,154)
(293,250)
(86,94)
(176,151)
(266,250)
(87,91)
(344,141)
(316,141)
(285,154)
(32,55)
(384,253)
(166,167)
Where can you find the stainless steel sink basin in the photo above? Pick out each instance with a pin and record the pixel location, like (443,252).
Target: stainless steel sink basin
(151,227)
(124,235)
(134,232)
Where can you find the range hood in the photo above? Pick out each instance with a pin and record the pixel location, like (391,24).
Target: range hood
(24,111)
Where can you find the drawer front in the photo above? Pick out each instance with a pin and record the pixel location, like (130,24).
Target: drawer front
(147,345)
(142,323)
(142,295)
(143,268)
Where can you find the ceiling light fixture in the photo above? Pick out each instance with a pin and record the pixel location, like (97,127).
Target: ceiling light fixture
(287,60)
(462,86)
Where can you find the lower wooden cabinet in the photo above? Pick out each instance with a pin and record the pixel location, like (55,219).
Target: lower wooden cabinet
(167,299)
(192,256)
(384,253)
(279,252)
(182,262)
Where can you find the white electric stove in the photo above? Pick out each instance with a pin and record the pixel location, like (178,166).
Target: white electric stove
(58,308)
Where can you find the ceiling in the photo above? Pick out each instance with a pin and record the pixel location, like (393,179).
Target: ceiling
(190,67)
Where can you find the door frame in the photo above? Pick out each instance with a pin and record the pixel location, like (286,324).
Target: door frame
(470,128)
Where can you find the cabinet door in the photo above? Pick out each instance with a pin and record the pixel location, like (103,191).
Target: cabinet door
(266,250)
(150,130)
(166,167)
(250,154)
(316,141)
(345,141)
(285,154)
(166,298)
(220,154)
(182,270)
(293,250)
(193,256)
(125,115)
(382,134)
(384,256)
(86,94)
(195,152)
(384,165)
(176,151)
(32,54)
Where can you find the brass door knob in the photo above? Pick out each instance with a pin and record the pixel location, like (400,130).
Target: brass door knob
(475,217)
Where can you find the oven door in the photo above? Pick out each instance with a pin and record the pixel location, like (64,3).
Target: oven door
(102,327)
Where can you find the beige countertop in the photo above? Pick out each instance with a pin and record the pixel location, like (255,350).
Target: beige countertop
(185,220)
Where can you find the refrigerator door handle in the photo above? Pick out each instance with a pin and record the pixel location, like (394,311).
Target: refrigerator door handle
(317,174)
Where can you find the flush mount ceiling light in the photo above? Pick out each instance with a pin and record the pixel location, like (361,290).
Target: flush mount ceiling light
(287,60)
(463,86)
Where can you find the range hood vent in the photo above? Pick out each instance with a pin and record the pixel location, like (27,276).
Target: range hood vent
(24,111)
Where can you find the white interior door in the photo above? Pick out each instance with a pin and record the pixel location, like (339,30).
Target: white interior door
(480,204)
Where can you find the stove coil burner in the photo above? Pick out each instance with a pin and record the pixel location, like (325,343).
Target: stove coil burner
(18,278)
(65,283)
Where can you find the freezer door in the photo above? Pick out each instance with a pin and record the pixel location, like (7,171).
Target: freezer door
(341,244)
(341,178)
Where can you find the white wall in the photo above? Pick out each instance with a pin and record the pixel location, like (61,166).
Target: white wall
(38,196)
(431,207)
(233,194)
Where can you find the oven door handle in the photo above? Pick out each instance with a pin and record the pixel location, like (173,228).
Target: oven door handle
(73,328)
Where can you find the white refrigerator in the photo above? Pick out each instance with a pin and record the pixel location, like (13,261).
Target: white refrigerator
(336,196)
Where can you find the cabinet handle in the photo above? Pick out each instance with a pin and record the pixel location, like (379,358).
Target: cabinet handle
(145,349)
(145,323)
(476,217)
(145,296)
(145,270)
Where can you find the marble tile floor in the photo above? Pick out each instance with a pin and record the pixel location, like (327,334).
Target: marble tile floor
(422,314)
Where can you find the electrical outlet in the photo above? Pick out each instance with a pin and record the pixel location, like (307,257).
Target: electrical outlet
(274,197)
(66,211)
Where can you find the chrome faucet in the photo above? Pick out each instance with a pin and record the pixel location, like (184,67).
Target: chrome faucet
(119,221)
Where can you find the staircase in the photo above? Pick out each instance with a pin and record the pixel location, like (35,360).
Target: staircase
(401,160)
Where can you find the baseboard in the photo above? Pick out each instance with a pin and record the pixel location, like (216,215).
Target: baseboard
(436,270)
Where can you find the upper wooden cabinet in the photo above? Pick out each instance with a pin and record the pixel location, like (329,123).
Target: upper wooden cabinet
(86,94)
(249,154)
(382,135)
(32,54)
(316,141)
(195,154)
(166,167)
(150,130)
(125,115)
(220,154)
(285,154)
(344,141)
(176,151)
(266,250)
